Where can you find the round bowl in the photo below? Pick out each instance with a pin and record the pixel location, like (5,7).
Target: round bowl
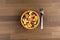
(30,19)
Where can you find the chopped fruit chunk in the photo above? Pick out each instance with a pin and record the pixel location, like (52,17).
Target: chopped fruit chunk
(34,22)
(26,15)
(29,25)
(36,18)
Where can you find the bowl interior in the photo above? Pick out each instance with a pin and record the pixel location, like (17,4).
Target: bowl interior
(30,19)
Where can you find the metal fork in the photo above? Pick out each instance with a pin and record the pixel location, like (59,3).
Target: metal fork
(41,15)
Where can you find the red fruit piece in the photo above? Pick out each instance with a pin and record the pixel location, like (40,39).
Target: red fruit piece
(35,14)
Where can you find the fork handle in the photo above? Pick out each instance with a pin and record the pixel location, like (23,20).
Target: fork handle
(41,21)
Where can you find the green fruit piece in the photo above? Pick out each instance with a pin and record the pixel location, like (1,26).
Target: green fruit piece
(32,25)
(36,18)
(32,13)
(29,25)
(23,20)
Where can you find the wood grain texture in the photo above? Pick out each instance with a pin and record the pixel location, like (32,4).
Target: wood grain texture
(11,29)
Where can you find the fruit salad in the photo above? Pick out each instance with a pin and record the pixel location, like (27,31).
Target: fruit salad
(30,19)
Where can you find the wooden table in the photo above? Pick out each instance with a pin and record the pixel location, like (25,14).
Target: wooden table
(11,29)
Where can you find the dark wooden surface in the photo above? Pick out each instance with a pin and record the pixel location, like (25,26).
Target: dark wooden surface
(11,29)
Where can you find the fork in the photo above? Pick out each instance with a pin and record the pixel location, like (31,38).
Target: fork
(41,16)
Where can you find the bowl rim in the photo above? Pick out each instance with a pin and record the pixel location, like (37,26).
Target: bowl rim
(38,19)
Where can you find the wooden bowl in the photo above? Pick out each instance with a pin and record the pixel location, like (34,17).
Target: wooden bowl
(30,19)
